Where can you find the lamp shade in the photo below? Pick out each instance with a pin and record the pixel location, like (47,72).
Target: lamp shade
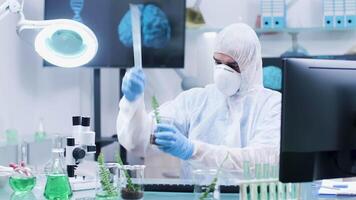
(66,43)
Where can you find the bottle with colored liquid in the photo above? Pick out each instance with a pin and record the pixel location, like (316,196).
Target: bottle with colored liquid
(57,185)
(40,134)
(22,183)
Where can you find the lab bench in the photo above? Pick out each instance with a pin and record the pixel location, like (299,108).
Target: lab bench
(37,194)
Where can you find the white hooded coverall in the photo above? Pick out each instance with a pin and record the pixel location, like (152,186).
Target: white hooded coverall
(247,124)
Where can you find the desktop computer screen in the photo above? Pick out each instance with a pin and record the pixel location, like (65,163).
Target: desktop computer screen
(318,133)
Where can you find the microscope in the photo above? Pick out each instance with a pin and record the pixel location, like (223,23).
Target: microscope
(81,144)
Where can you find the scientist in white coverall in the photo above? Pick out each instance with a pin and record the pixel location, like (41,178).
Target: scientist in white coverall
(235,115)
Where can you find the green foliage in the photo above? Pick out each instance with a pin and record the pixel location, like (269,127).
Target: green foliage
(212,185)
(105,178)
(210,189)
(155,106)
(130,185)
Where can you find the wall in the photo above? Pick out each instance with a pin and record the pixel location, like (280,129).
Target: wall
(29,92)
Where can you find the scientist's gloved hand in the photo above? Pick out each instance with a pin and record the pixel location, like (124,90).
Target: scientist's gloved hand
(133,84)
(170,140)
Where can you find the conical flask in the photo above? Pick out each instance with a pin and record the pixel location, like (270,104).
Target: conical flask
(57,185)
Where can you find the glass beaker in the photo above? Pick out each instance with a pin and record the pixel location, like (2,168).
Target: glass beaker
(57,185)
(22,183)
(107,182)
(155,121)
(23,196)
(131,181)
(206,184)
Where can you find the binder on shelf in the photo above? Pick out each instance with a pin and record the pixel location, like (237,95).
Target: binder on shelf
(339,10)
(350,13)
(273,14)
(266,12)
(278,13)
(328,6)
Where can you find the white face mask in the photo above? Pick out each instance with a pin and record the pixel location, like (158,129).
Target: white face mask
(227,80)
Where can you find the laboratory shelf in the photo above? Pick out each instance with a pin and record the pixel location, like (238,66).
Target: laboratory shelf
(277,30)
(274,59)
(299,30)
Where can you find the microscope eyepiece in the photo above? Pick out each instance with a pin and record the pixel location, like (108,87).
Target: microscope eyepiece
(76,120)
(86,121)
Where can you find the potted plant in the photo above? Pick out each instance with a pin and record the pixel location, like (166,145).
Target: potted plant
(130,191)
(107,189)
(212,186)
(157,118)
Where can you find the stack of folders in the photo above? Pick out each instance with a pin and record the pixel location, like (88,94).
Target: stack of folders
(273,14)
(339,13)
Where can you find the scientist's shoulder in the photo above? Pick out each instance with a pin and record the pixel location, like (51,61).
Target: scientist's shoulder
(271,95)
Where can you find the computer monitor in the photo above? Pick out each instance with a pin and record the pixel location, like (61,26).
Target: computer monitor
(318,133)
(163,30)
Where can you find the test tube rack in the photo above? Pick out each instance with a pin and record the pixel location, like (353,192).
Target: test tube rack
(269,189)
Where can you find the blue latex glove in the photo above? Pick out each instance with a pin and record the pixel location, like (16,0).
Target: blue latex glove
(170,140)
(133,84)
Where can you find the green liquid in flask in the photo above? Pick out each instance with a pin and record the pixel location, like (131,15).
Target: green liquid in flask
(58,187)
(22,184)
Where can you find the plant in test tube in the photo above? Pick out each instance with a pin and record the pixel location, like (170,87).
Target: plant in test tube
(212,185)
(157,117)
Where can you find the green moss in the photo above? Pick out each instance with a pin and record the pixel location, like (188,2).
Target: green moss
(212,185)
(105,177)
(155,106)
(130,185)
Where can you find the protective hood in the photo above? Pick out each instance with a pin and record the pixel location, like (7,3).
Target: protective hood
(240,42)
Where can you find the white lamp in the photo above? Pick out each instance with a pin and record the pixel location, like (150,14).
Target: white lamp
(61,42)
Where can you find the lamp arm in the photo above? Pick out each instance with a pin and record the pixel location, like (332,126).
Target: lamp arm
(34,24)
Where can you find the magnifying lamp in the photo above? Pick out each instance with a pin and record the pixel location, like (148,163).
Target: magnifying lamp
(61,42)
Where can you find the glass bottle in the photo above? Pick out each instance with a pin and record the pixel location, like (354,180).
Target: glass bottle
(57,185)
(40,134)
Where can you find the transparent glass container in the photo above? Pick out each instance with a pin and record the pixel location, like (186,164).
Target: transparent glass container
(21,183)
(107,180)
(260,181)
(23,180)
(23,196)
(57,183)
(131,181)
(163,120)
(206,184)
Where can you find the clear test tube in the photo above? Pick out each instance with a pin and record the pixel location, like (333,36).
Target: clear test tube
(298,189)
(22,152)
(294,191)
(253,191)
(274,175)
(289,191)
(272,191)
(281,187)
(244,194)
(264,185)
(255,187)
(246,170)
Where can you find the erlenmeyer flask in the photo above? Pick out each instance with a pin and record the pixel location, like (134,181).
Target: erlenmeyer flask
(57,185)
